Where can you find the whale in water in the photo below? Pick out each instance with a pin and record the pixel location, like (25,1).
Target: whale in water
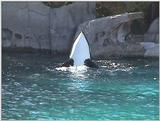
(80,53)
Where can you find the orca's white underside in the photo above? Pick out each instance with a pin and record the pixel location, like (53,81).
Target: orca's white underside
(80,50)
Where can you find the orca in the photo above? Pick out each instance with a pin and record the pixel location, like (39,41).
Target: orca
(80,54)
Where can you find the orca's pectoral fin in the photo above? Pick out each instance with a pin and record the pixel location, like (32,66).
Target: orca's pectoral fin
(68,63)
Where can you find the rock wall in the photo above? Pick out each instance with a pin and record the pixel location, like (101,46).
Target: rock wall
(151,49)
(25,24)
(64,23)
(151,40)
(107,36)
(34,25)
(152,35)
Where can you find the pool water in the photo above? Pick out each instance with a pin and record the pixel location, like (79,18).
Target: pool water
(34,88)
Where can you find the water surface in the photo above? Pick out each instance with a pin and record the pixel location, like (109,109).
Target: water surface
(33,88)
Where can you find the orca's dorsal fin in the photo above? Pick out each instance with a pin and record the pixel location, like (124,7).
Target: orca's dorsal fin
(80,50)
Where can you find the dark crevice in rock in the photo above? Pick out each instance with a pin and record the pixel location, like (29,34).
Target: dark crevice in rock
(18,36)
(7,34)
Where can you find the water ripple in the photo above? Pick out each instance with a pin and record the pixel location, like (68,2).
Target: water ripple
(118,89)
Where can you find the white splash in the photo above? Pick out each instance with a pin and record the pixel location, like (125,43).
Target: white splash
(74,69)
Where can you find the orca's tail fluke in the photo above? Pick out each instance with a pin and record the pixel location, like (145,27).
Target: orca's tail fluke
(90,63)
(87,62)
(68,63)
(80,50)
(80,54)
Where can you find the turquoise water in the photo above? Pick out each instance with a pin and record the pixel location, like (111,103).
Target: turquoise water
(32,88)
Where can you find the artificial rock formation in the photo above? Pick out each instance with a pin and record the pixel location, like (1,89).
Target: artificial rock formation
(64,22)
(151,49)
(28,23)
(152,35)
(107,36)
(34,25)
(151,40)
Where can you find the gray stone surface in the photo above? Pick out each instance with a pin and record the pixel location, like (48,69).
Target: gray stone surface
(152,52)
(34,25)
(64,22)
(6,37)
(152,35)
(23,20)
(151,40)
(151,49)
(107,35)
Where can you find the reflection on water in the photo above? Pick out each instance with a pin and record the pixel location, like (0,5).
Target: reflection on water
(77,77)
(33,87)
